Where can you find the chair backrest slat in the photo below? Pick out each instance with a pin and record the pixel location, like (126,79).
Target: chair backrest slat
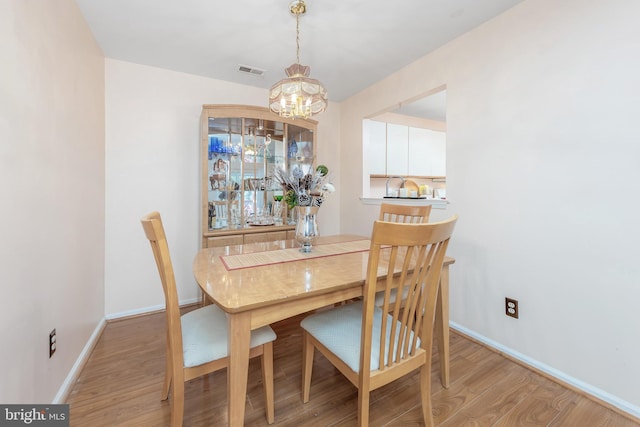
(412,255)
(391,212)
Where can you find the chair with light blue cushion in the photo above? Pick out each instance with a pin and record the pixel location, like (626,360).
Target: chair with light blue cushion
(197,340)
(374,345)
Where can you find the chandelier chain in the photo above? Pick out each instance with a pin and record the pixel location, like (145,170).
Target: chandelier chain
(297,38)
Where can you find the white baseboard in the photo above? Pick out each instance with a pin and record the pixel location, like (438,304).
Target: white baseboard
(561,376)
(73,374)
(146,310)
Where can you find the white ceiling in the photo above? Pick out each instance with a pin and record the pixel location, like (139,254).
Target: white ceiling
(348,44)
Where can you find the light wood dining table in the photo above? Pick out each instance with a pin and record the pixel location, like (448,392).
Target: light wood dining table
(261,283)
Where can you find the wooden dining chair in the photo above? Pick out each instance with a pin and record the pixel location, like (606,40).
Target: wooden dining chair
(373,346)
(404,213)
(197,340)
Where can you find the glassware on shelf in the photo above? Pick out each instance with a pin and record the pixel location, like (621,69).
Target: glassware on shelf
(220,210)
(235,215)
(219,172)
(293,149)
(291,216)
(276,211)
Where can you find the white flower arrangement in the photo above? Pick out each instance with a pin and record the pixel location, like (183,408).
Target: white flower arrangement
(302,189)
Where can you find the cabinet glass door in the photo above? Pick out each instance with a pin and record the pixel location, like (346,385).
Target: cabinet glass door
(243,147)
(224,173)
(263,152)
(300,148)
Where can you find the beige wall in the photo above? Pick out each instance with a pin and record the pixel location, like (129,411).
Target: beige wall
(542,167)
(52,192)
(152,146)
(541,163)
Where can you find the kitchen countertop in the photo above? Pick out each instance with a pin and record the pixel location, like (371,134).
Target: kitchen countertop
(435,203)
(408,197)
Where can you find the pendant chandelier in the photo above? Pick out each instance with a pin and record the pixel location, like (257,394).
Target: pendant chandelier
(298,96)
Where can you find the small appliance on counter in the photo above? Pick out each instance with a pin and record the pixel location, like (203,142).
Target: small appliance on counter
(440,193)
(408,190)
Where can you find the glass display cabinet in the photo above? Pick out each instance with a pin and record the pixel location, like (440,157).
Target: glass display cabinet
(241,148)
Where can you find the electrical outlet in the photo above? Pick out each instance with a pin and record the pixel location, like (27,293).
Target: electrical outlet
(511,307)
(52,343)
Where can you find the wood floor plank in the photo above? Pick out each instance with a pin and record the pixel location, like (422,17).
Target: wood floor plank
(582,412)
(465,389)
(121,384)
(537,410)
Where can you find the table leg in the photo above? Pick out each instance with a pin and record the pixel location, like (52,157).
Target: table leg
(239,341)
(205,299)
(442,326)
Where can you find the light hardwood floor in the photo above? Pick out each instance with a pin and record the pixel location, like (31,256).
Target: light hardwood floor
(121,384)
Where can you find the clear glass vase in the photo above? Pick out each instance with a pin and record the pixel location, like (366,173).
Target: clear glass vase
(306,227)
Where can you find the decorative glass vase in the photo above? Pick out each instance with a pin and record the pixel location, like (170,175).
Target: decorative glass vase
(306,227)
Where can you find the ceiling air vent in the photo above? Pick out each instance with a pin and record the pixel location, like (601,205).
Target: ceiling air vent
(251,70)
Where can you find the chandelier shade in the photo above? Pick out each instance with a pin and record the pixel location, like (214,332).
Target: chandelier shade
(297,96)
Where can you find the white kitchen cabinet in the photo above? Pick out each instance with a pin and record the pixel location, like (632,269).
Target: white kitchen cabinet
(397,149)
(427,152)
(407,151)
